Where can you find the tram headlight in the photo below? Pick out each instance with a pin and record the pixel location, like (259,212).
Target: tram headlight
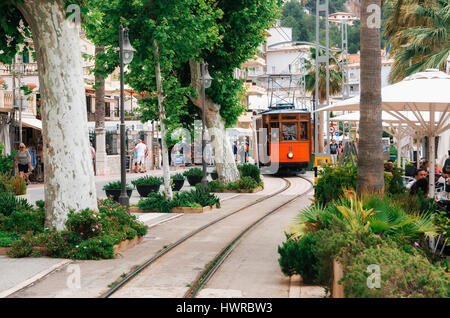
(290,155)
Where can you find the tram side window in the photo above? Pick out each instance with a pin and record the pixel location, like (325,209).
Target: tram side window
(289,131)
(304,130)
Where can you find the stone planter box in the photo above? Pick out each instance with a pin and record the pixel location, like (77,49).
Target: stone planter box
(115,194)
(192,210)
(144,190)
(136,209)
(127,244)
(40,249)
(337,290)
(241,191)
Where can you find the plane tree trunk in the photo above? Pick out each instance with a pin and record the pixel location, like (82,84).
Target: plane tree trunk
(223,152)
(69,175)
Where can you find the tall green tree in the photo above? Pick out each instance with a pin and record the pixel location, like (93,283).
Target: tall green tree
(370,155)
(419,33)
(242,29)
(64,116)
(310,83)
(165,35)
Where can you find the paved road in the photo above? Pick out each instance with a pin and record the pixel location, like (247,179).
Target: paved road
(252,269)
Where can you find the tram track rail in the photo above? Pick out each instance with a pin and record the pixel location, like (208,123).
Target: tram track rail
(223,255)
(169,248)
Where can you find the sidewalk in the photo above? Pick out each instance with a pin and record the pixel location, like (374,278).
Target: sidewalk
(18,273)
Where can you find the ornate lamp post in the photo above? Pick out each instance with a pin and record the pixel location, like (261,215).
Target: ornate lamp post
(126,56)
(206,83)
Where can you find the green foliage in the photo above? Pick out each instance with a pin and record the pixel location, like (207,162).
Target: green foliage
(332,244)
(18,185)
(5,183)
(178,176)
(418,32)
(193,172)
(394,183)
(115,185)
(297,257)
(155,202)
(148,180)
(24,220)
(304,25)
(216,186)
(250,170)
(331,181)
(6,161)
(9,203)
(402,275)
(197,197)
(245,183)
(7,238)
(90,234)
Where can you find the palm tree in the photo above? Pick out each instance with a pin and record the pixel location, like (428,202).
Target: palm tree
(310,84)
(370,155)
(419,32)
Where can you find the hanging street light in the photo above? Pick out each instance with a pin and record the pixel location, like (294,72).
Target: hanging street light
(126,56)
(206,83)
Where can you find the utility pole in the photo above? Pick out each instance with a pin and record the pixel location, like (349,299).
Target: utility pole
(322,8)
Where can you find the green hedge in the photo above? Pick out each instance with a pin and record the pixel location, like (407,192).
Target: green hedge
(89,235)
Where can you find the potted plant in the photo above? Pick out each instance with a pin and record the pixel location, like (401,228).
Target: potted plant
(147,184)
(194,176)
(113,190)
(214,175)
(177,182)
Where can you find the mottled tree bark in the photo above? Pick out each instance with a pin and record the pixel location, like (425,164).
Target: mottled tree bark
(69,177)
(370,149)
(223,153)
(162,117)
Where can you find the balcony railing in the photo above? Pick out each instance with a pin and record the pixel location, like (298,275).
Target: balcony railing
(28,69)
(6,100)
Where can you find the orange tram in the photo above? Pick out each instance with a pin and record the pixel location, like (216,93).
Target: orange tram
(288,139)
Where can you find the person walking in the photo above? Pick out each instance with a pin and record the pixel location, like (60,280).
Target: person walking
(140,149)
(23,162)
(333,151)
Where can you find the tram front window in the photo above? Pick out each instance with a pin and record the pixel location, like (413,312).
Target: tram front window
(289,131)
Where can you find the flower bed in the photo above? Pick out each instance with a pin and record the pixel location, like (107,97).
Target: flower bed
(89,235)
(337,244)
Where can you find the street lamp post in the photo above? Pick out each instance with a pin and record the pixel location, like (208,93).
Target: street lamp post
(206,83)
(126,56)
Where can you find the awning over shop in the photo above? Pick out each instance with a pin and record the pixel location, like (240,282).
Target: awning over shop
(31,122)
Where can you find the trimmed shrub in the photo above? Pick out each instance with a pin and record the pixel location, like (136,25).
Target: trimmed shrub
(331,181)
(402,275)
(297,257)
(193,172)
(250,170)
(115,185)
(9,203)
(147,180)
(155,202)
